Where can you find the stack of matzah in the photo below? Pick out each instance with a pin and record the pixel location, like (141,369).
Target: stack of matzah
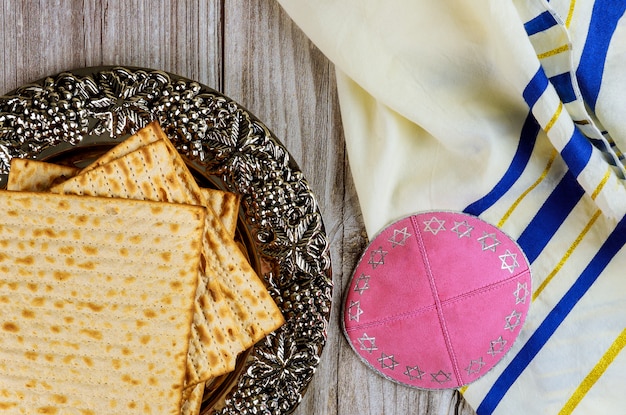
(129,249)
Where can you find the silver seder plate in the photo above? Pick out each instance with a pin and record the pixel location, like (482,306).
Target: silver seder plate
(73,117)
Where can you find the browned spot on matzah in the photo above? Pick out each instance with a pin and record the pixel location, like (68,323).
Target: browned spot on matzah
(60,399)
(30,355)
(38,301)
(87,265)
(94,334)
(95,307)
(10,327)
(61,275)
(28,313)
(27,260)
(108,169)
(90,250)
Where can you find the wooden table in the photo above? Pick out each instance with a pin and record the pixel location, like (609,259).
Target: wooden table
(252,52)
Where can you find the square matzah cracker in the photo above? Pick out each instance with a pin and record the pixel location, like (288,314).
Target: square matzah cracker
(96,298)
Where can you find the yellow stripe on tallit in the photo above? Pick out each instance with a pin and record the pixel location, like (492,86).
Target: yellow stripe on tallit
(595,374)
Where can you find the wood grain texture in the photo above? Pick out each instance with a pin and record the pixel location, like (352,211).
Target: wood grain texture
(252,52)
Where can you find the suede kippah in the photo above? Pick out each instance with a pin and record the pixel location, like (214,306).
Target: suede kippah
(437,299)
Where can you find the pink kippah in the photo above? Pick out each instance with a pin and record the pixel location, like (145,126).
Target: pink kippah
(437,299)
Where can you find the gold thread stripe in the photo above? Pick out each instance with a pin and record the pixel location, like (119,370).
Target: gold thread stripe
(555,117)
(570,13)
(595,374)
(598,189)
(553,52)
(568,253)
(523,195)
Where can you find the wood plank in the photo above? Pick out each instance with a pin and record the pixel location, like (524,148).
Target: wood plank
(41,39)
(181,37)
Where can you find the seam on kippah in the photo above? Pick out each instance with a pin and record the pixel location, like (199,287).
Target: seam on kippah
(484,289)
(438,305)
(393,318)
(425,309)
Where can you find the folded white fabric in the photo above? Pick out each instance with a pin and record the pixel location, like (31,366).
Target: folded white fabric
(512,111)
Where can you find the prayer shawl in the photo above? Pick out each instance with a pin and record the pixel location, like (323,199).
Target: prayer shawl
(514,112)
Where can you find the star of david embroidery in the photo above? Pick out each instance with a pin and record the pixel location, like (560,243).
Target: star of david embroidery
(475,366)
(441,377)
(521,293)
(355,311)
(387,361)
(513,320)
(362,283)
(414,372)
(377,257)
(434,225)
(462,229)
(497,346)
(509,261)
(489,241)
(367,343)
(399,237)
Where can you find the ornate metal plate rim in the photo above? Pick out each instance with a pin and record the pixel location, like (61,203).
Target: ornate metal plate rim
(227,145)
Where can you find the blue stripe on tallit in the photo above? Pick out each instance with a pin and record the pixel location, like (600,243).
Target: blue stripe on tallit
(550,216)
(553,320)
(525,147)
(577,152)
(604,19)
(528,138)
(540,23)
(535,88)
(564,87)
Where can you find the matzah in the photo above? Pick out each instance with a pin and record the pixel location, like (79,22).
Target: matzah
(39,176)
(96,298)
(154,171)
(36,176)
(192,399)
(225,205)
(144,136)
